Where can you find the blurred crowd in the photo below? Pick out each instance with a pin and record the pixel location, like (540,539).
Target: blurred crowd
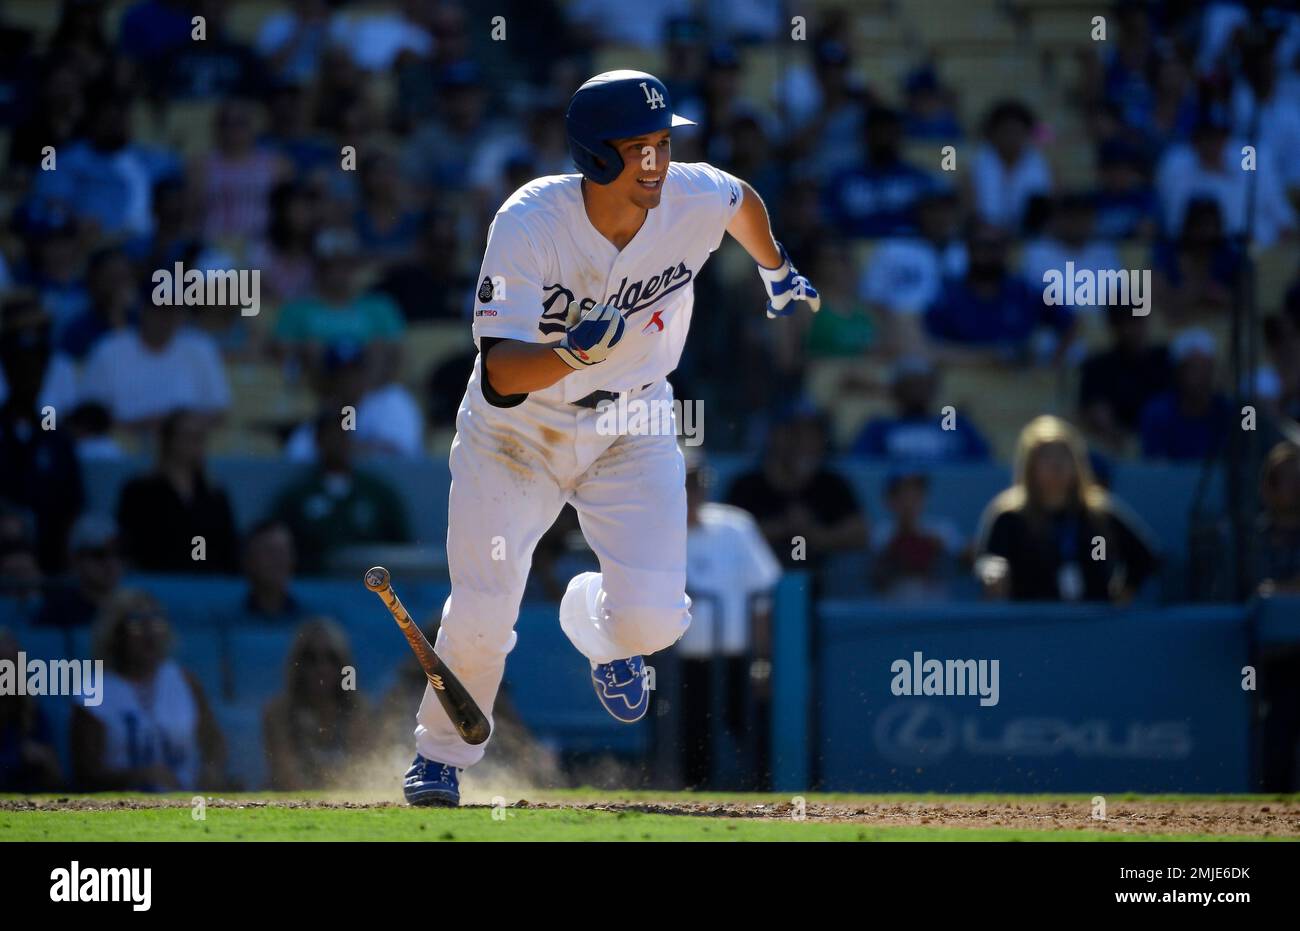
(354,155)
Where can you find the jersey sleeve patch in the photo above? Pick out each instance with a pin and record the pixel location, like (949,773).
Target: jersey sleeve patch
(509,298)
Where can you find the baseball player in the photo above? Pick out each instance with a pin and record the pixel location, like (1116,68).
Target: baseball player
(586,295)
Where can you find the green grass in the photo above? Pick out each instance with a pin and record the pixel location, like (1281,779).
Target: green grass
(225,823)
(398,824)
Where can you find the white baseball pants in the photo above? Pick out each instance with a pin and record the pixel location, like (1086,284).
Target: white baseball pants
(512,470)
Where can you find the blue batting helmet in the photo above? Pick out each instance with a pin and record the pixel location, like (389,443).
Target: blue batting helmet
(615,105)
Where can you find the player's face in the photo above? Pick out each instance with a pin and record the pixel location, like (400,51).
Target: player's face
(645,165)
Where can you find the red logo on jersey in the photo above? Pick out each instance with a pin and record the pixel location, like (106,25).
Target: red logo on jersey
(656,321)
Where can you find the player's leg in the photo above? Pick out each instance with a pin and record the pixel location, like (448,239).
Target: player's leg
(503,498)
(632,506)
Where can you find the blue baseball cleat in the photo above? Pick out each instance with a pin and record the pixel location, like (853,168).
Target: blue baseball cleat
(430,783)
(621,688)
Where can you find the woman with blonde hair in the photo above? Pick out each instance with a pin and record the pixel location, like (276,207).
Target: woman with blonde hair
(313,728)
(153,730)
(1279,520)
(1056,534)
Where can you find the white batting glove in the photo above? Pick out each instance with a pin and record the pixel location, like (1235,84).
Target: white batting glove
(589,340)
(785,286)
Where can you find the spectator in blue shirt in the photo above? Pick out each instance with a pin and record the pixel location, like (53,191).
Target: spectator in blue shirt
(114,303)
(39,471)
(102,178)
(878,198)
(916,432)
(930,113)
(217,67)
(991,314)
(291,130)
(1130,66)
(1125,203)
(151,29)
(55,271)
(386,224)
(1192,420)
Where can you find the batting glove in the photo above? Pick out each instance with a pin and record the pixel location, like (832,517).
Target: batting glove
(785,286)
(590,339)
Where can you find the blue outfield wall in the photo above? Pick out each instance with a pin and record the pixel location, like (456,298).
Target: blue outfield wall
(1090,700)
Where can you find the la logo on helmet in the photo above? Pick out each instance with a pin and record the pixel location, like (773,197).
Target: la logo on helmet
(652,96)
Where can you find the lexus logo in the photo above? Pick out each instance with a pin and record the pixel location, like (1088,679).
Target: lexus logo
(909,733)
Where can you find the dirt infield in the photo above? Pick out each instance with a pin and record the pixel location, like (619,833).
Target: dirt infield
(1275,819)
(1261,818)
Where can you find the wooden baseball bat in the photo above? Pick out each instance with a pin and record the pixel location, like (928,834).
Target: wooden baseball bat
(465,714)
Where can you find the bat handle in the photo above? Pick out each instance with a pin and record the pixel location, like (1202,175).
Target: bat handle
(378,579)
(380,582)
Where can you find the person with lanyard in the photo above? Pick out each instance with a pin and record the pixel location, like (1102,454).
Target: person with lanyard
(1056,534)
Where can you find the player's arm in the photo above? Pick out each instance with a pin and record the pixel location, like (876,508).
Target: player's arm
(515,367)
(752,228)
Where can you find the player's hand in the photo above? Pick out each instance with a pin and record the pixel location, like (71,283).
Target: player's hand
(785,286)
(590,338)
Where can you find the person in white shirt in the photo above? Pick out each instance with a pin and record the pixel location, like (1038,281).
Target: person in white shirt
(141,375)
(1263,111)
(611,22)
(1008,168)
(1210,166)
(294,40)
(730,571)
(376,39)
(1069,239)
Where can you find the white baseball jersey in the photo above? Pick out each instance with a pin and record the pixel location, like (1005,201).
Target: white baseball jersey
(514,468)
(543,254)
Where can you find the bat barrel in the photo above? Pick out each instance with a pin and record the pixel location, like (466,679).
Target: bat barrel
(474,732)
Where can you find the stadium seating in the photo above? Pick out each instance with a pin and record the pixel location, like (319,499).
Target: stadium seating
(1161,494)
(959,492)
